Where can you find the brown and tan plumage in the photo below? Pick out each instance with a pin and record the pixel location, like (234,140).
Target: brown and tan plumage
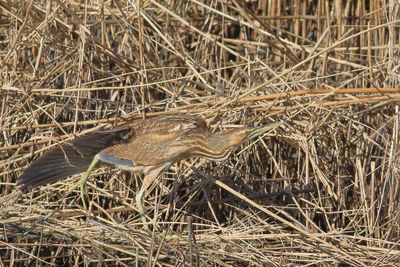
(147,146)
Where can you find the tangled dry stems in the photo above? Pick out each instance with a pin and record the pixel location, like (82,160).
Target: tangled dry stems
(323,189)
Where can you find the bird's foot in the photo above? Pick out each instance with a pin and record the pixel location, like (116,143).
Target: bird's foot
(84,195)
(81,184)
(144,222)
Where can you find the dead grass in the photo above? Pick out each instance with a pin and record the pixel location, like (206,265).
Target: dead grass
(321,190)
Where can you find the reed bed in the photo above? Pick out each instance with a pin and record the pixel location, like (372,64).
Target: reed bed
(321,190)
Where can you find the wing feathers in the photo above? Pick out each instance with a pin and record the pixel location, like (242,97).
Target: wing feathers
(66,159)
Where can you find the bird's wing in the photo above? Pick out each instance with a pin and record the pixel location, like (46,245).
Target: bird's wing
(142,150)
(67,159)
(153,141)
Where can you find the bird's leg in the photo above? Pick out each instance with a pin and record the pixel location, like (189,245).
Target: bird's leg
(85,176)
(151,175)
(139,205)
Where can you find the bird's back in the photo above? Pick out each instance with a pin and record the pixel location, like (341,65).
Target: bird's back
(155,141)
(177,124)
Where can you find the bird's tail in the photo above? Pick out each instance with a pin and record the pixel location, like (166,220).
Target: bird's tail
(66,159)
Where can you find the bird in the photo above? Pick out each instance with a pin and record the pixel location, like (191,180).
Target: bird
(147,146)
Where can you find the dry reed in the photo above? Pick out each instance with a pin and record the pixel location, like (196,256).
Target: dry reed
(321,190)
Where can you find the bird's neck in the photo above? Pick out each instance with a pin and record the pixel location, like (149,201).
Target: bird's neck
(218,146)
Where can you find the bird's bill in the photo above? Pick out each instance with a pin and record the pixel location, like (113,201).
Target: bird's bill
(257,131)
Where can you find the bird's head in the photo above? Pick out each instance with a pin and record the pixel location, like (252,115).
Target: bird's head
(219,146)
(239,135)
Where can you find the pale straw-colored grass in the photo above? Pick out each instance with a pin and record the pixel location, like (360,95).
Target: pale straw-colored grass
(323,189)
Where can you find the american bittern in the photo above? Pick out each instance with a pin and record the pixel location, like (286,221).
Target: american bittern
(149,146)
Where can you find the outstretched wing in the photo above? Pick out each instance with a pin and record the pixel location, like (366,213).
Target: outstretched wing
(66,159)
